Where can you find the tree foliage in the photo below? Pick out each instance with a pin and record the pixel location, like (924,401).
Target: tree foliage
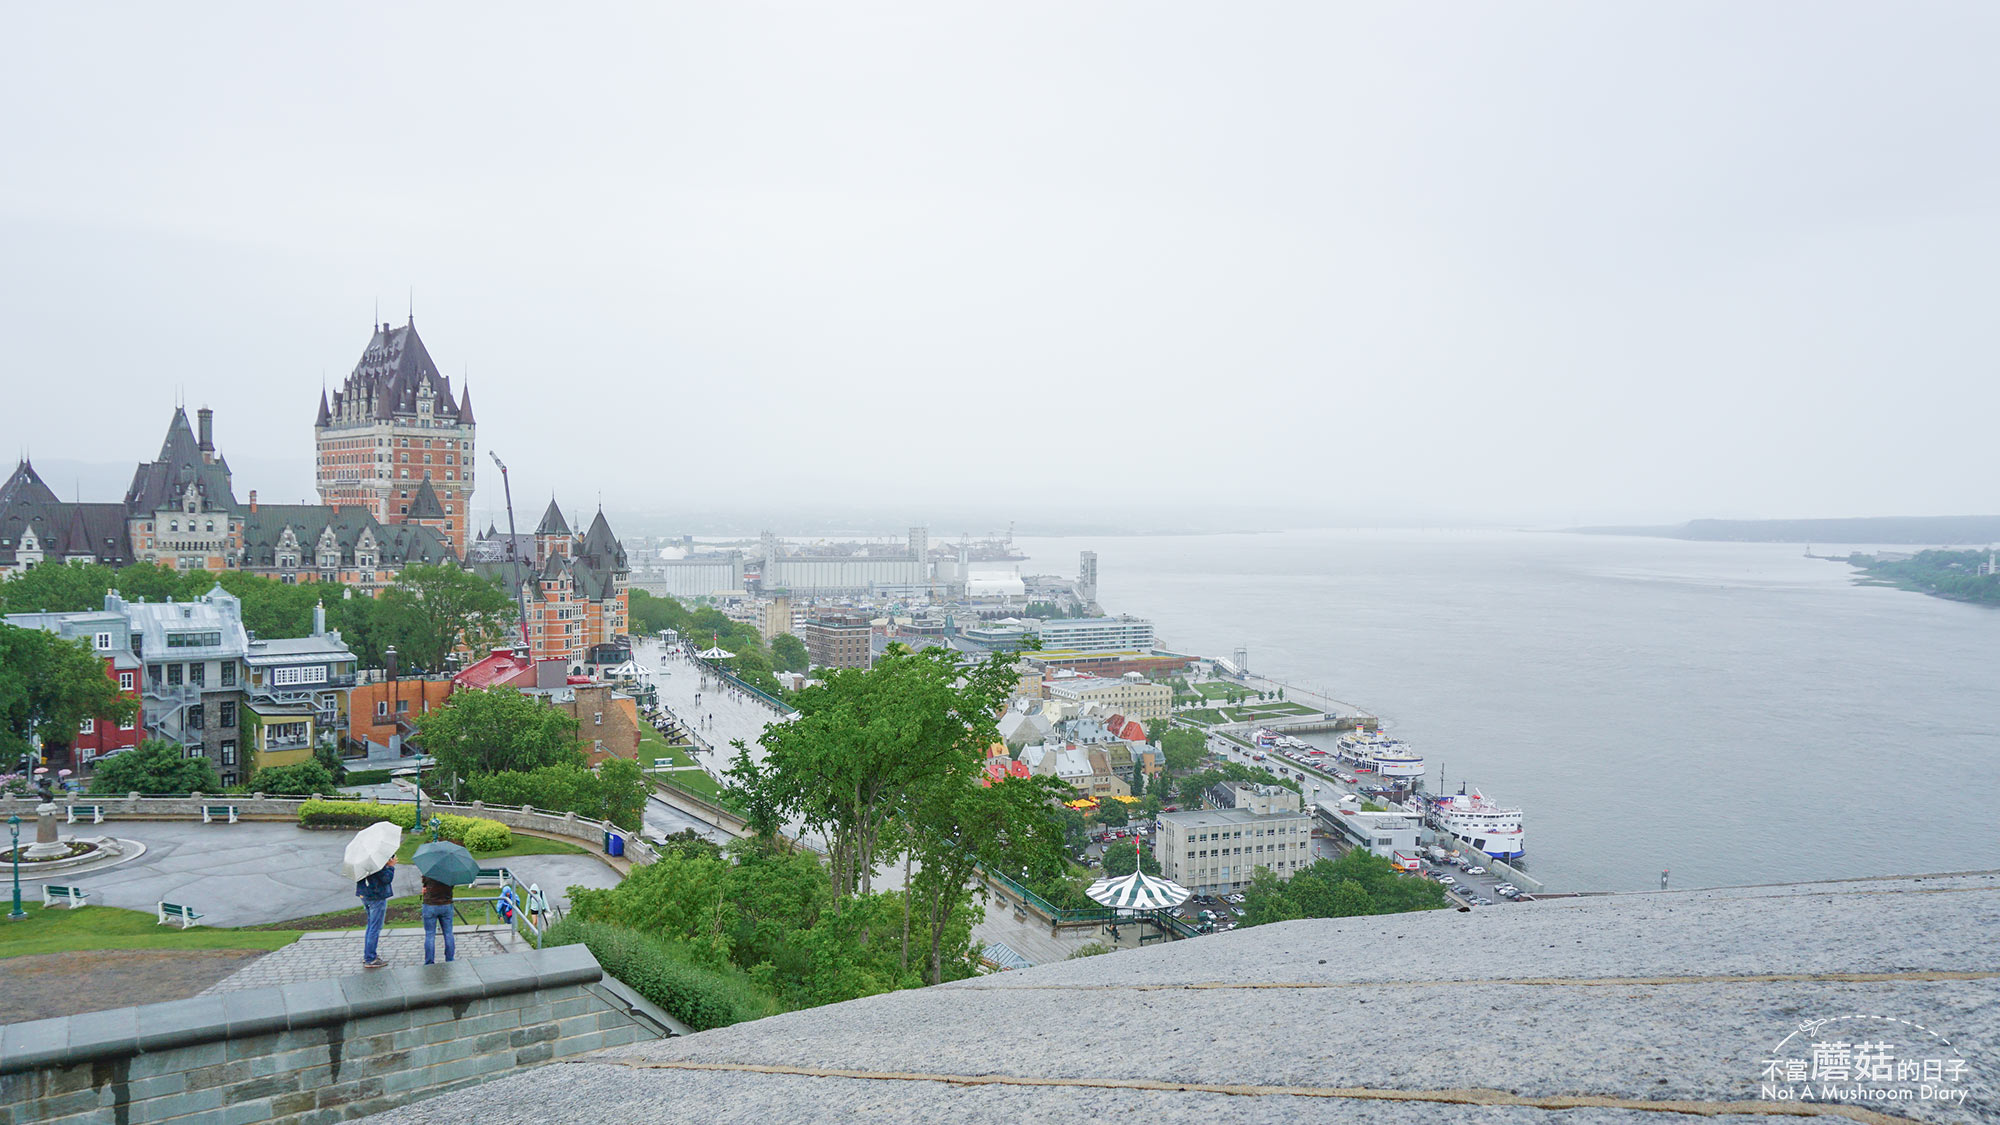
(499,729)
(299,780)
(1359,882)
(868,744)
(155,766)
(615,791)
(437,608)
(1118,858)
(788,653)
(49,686)
(1183,748)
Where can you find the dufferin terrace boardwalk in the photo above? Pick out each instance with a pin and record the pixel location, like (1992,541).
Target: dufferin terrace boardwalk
(1872,1000)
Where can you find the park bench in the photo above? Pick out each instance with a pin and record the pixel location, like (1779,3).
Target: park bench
(94,812)
(71,897)
(173,912)
(492,877)
(210,813)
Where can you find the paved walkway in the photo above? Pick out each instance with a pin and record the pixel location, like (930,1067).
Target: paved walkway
(43,986)
(254,872)
(337,953)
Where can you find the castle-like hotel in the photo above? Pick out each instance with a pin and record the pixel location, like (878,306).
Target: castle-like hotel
(395,466)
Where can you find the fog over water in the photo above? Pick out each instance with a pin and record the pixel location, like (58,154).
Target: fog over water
(1736,712)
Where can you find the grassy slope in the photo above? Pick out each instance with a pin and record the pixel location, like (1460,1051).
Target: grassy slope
(107,927)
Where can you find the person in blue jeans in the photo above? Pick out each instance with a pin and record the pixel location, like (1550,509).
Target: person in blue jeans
(437,916)
(374,892)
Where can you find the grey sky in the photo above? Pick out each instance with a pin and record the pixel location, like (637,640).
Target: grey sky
(1454,262)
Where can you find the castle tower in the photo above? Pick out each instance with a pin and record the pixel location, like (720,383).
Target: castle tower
(392,424)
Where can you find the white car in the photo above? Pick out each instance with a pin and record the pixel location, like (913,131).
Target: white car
(1446,880)
(1475,871)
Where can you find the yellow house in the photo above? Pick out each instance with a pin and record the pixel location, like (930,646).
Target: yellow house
(279,734)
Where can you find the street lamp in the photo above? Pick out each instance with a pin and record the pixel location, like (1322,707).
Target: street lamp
(14,827)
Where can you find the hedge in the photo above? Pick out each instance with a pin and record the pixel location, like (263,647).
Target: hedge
(698,995)
(366,777)
(477,833)
(354,814)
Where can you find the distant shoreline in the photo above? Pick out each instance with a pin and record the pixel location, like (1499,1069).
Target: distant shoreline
(1928,531)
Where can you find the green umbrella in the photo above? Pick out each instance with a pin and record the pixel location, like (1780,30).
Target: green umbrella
(447,863)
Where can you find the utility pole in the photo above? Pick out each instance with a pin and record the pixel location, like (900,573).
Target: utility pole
(520,589)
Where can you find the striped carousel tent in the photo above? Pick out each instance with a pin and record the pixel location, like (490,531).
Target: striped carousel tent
(1137,891)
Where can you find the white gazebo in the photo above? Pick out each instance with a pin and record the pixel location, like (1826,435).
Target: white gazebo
(1138,892)
(716,652)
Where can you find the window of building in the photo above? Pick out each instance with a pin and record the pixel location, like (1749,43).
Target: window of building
(89,726)
(195,718)
(197,674)
(381,708)
(174,675)
(227,712)
(402,707)
(229,752)
(124,681)
(103,641)
(194,751)
(128,724)
(228,674)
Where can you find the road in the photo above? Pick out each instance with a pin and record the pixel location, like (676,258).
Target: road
(1464,886)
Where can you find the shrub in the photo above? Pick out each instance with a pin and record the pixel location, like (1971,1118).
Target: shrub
(366,777)
(299,780)
(355,814)
(698,995)
(487,836)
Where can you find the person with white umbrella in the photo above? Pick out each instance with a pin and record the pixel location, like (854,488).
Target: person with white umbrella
(370,860)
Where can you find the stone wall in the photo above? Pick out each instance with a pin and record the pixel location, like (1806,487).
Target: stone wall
(321,1051)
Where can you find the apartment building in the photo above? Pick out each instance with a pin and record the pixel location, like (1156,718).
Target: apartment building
(1218,851)
(837,639)
(1131,695)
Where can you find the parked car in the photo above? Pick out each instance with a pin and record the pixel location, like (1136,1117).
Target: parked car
(1447,880)
(1475,871)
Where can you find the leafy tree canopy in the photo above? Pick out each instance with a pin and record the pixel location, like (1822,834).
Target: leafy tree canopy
(49,686)
(1183,748)
(434,609)
(1359,882)
(479,732)
(155,766)
(297,780)
(1118,858)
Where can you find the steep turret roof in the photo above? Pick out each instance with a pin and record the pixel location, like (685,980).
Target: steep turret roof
(552,521)
(425,506)
(325,417)
(159,484)
(26,486)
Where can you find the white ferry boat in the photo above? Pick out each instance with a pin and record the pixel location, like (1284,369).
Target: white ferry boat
(1472,819)
(1392,758)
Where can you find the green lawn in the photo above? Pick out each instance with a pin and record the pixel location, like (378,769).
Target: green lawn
(107,927)
(1211,689)
(1205,716)
(654,749)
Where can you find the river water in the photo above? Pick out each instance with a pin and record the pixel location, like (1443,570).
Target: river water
(1735,712)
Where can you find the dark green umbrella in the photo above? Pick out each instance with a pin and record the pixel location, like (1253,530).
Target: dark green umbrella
(447,863)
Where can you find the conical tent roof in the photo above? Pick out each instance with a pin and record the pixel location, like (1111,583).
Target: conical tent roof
(1137,891)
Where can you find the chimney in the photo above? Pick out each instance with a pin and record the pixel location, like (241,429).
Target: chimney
(319,619)
(207,444)
(253,500)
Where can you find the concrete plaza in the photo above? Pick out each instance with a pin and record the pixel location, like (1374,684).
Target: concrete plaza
(254,872)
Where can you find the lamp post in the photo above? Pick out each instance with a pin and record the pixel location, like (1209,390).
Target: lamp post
(14,828)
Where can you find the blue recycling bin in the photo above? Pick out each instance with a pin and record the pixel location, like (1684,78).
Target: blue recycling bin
(614,844)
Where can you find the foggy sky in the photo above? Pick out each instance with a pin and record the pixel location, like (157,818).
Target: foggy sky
(1449,262)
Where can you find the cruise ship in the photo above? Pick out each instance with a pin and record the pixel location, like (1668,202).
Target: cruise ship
(1474,820)
(1391,758)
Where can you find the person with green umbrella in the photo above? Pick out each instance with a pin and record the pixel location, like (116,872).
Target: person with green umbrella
(443,865)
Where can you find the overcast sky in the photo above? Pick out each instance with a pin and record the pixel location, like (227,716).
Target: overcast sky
(1443,262)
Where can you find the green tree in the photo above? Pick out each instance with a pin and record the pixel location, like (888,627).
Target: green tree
(296,780)
(789,654)
(958,823)
(1357,883)
(431,610)
(155,766)
(497,729)
(49,686)
(623,787)
(1118,858)
(1138,777)
(868,742)
(1112,813)
(1183,748)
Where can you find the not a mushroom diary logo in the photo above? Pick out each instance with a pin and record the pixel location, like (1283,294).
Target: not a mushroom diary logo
(1866,1060)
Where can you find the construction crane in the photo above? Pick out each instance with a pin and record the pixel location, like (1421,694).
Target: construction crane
(513,574)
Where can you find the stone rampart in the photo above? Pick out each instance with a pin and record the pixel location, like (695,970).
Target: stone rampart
(319,1051)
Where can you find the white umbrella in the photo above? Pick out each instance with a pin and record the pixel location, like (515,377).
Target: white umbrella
(371,850)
